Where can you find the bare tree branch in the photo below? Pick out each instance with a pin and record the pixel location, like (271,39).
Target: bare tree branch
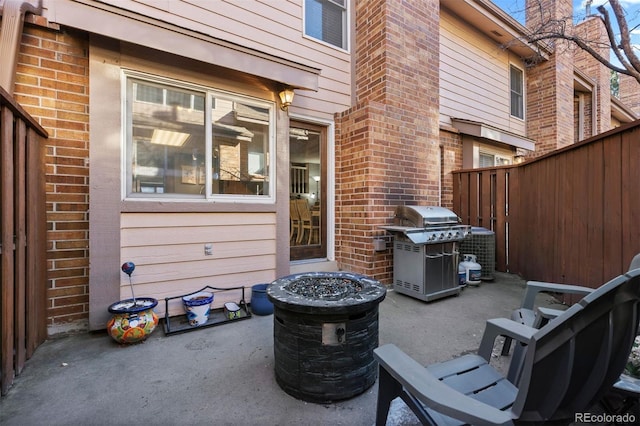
(625,39)
(556,29)
(612,39)
(582,45)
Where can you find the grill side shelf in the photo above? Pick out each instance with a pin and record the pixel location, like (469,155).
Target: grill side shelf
(403,229)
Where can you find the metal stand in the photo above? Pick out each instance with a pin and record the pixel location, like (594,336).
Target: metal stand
(179,324)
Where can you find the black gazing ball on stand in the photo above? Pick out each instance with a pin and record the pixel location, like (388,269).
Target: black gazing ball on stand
(128,267)
(132,319)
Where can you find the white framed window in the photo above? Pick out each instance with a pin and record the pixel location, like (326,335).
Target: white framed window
(187,142)
(516,85)
(326,20)
(487,159)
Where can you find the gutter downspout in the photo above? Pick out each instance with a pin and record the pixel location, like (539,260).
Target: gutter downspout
(13,12)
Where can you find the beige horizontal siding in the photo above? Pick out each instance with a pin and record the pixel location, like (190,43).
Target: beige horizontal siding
(142,220)
(175,235)
(169,253)
(185,252)
(474,77)
(272,27)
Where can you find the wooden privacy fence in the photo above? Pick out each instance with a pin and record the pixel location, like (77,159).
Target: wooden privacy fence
(571,216)
(23,322)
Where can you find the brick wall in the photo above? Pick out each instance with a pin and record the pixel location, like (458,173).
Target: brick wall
(52,84)
(593,29)
(629,90)
(361,189)
(387,146)
(550,83)
(451,159)
(584,102)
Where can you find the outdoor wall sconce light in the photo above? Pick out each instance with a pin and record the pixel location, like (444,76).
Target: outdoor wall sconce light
(286,97)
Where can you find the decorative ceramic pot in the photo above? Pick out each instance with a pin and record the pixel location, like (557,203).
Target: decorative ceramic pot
(197,307)
(133,319)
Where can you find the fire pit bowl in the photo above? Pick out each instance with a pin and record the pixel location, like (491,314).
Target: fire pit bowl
(325,328)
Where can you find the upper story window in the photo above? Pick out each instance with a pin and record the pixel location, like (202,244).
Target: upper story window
(187,142)
(516,77)
(326,20)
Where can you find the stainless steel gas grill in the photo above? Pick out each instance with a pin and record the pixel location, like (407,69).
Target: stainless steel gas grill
(425,251)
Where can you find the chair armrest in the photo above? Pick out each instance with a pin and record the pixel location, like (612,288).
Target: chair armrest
(535,287)
(503,327)
(548,313)
(425,387)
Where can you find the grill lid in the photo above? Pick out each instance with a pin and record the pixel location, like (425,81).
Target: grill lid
(428,225)
(424,216)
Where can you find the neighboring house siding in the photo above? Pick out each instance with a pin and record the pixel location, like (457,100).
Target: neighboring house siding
(52,84)
(274,28)
(170,257)
(474,77)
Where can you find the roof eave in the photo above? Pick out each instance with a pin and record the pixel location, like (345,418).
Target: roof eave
(496,24)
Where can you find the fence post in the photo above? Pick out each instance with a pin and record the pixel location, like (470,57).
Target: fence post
(6,258)
(22,239)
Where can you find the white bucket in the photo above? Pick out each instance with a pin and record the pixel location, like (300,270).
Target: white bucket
(197,307)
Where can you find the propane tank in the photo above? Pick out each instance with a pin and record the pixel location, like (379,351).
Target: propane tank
(462,275)
(473,270)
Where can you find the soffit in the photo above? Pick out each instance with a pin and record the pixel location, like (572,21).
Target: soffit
(120,24)
(497,25)
(621,112)
(481,130)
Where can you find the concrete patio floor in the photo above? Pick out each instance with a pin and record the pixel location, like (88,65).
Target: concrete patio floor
(225,375)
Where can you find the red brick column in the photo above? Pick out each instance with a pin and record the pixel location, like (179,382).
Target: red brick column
(593,29)
(451,153)
(52,84)
(387,146)
(629,90)
(549,103)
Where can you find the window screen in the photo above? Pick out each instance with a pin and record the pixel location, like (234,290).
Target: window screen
(517,92)
(326,20)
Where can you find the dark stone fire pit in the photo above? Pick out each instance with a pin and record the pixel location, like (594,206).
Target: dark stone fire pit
(325,329)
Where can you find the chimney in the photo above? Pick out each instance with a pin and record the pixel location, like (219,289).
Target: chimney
(550,84)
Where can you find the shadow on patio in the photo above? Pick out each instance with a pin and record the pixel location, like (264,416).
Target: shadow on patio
(225,375)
